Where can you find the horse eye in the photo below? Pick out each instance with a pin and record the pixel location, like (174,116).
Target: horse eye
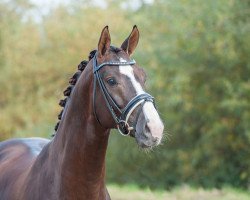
(111,81)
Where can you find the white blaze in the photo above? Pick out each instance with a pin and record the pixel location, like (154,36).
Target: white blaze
(151,115)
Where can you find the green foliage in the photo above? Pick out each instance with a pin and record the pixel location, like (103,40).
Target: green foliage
(196,55)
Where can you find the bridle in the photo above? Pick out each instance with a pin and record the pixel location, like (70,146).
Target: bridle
(124,114)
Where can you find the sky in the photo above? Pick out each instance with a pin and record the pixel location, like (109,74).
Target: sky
(101,3)
(43,7)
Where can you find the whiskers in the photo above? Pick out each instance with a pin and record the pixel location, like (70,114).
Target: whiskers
(148,151)
(166,137)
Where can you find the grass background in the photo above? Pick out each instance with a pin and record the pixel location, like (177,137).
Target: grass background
(132,192)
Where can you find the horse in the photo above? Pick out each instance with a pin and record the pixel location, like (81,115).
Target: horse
(107,92)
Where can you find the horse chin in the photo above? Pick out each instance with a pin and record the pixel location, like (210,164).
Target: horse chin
(146,140)
(144,137)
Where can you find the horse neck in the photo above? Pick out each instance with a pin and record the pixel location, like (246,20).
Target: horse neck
(80,145)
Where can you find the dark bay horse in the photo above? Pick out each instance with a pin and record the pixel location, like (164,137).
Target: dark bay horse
(107,92)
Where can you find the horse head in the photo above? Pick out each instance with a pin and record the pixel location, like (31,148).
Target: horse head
(119,99)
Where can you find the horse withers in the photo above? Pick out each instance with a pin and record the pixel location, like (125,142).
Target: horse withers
(106,92)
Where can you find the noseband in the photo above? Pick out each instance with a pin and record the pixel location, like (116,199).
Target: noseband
(121,120)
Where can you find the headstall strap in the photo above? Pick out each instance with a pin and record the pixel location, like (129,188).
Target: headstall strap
(139,100)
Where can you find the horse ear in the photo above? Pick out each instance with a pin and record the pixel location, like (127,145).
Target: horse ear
(131,42)
(104,41)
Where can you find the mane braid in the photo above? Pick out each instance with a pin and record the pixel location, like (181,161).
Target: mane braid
(68,90)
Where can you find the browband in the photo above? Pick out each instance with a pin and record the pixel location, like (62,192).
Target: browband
(96,68)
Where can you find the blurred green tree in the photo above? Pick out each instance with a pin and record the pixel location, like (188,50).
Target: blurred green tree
(198,58)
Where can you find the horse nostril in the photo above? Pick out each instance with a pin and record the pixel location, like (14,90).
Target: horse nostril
(146,128)
(155,139)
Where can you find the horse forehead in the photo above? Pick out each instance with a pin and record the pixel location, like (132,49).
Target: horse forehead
(128,71)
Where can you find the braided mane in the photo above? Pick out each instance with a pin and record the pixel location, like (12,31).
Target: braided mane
(72,82)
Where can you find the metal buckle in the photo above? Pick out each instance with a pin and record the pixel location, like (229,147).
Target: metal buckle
(125,127)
